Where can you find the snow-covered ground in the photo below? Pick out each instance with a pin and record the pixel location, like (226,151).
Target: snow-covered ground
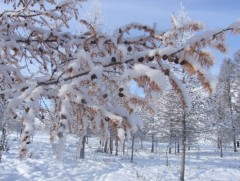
(204,165)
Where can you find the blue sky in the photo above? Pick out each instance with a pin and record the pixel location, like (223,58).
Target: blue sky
(214,14)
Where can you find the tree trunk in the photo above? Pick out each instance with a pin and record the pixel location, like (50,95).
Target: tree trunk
(156,147)
(167,158)
(106,147)
(175,147)
(82,151)
(3,140)
(218,142)
(182,169)
(21,132)
(124,144)
(111,145)
(170,139)
(221,150)
(234,141)
(178,146)
(1,144)
(116,144)
(132,148)
(152,149)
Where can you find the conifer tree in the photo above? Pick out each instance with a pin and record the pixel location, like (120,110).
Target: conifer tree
(228,96)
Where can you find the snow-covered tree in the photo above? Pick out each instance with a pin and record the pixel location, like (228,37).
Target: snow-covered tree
(169,117)
(228,96)
(39,59)
(236,91)
(94,15)
(182,17)
(182,120)
(226,79)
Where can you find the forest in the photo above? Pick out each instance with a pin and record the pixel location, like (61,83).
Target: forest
(132,97)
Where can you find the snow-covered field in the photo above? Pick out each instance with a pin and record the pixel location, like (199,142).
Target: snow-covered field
(204,165)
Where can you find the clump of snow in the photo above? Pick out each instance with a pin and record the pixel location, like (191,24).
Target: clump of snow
(97,70)
(136,122)
(113,116)
(155,75)
(235,25)
(121,134)
(187,98)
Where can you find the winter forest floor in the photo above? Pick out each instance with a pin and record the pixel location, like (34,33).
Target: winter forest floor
(202,164)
